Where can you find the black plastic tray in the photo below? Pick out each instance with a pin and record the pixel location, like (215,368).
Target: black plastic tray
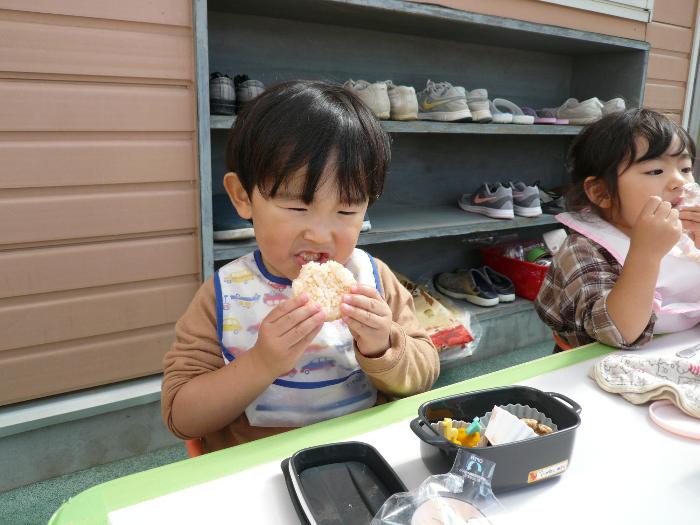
(339,483)
(518,464)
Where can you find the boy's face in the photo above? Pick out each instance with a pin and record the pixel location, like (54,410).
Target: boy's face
(291,233)
(662,177)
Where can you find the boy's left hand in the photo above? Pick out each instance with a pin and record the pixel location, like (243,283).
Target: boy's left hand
(368,317)
(690,218)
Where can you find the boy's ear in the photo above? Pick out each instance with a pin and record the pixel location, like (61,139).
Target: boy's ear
(239,197)
(597,192)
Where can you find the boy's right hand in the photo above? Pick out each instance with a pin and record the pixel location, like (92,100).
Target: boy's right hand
(657,230)
(286,332)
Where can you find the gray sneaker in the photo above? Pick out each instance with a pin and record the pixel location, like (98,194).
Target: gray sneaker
(494,201)
(443,102)
(470,285)
(403,102)
(526,199)
(375,96)
(246,90)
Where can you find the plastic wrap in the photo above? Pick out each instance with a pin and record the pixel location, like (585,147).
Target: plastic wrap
(460,497)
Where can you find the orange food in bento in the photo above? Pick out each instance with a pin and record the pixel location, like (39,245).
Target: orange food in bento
(466,437)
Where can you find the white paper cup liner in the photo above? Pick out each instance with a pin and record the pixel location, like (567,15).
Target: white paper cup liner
(506,428)
(522,411)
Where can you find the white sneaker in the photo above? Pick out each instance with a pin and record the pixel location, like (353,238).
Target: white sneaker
(478,100)
(614,105)
(403,101)
(581,113)
(375,96)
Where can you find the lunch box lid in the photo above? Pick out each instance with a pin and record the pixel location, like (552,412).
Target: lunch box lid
(350,479)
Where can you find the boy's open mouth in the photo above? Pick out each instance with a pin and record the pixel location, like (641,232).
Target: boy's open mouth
(305,257)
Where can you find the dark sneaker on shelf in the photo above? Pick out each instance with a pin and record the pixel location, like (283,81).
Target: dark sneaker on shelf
(552,202)
(494,201)
(246,90)
(471,285)
(222,94)
(503,285)
(228,225)
(526,199)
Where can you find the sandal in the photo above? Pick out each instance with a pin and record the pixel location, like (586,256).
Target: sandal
(518,116)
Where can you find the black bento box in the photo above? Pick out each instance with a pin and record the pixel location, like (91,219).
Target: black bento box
(518,464)
(349,479)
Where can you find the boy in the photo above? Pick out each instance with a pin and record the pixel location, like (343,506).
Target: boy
(305,160)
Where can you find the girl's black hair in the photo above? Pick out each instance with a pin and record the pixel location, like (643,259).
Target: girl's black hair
(607,147)
(309,125)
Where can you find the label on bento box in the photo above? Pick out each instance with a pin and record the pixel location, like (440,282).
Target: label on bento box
(547,472)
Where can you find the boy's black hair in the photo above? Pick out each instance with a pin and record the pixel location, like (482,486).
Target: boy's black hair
(606,148)
(307,125)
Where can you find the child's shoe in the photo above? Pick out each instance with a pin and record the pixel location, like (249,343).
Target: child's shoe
(443,102)
(228,225)
(478,100)
(246,90)
(222,94)
(470,285)
(503,285)
(493,201)
(375,96)
(526,199)
(403,101)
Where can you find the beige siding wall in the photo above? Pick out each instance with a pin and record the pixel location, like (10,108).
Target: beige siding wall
(670,35)
(99,251)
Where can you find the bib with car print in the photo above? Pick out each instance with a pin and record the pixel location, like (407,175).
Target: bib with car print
(326,382)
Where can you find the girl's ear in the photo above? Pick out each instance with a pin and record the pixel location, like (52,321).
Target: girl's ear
(597,192)
(239,197)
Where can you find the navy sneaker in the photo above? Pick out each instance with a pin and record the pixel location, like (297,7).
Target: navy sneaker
(503,285)
(228,225)
(470,285)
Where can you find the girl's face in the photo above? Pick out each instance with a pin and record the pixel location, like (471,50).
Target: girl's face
(291,233)
(663,177)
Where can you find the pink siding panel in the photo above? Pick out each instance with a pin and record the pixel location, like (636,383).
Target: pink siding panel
(672,38)
(664,97)
(31,44)
(78,159)
(74,106)
(667,67)
(33,271)
(675,12)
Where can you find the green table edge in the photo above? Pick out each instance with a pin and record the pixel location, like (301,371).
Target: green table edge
(91,506)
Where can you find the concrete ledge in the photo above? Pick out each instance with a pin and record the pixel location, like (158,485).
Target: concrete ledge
(40,413)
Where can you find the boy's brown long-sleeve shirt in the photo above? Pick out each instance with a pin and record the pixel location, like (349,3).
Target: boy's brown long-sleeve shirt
(409,366)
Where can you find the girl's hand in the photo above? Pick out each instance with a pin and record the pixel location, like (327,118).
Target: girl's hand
(368,317)
(286,332)
(657,229)
(690,217)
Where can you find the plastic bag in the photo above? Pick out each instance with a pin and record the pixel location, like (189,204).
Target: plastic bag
(453,331)
(686,246)
(461,496)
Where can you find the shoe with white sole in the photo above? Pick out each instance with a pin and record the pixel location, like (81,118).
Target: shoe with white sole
(375,96)
(503,285)
(614,105)
(443,102)
(500,117)
(478,101)
(402,101)
(526,199)
(470,285)
(494,201)
(581,113)
(518,116)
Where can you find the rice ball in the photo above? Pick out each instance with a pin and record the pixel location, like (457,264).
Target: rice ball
(325,284)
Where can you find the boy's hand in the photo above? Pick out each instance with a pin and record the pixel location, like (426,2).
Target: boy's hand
(286,332)
(657,229)
(690,217)
(368,317)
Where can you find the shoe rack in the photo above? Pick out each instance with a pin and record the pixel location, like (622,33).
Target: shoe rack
(417,227)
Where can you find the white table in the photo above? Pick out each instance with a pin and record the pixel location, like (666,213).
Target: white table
(624,469)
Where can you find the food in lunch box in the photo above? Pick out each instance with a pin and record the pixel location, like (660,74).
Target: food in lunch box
(325,284)
(504,428)
(460,432)
(539,428)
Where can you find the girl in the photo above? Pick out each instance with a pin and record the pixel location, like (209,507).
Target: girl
(621,275)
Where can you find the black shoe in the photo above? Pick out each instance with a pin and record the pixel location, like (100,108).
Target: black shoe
(503,285)
(471,285)
(228,225)
(222,94)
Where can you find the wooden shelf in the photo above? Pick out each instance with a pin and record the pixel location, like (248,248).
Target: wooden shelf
(408,223)
(225,122)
